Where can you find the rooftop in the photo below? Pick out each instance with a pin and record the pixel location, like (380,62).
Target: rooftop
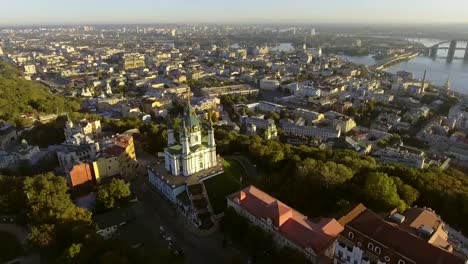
(290,223)
(176,181)
(393,236)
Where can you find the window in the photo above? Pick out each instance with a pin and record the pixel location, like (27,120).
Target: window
(377,250)
(370,246)
(401,261)
(359,244)
(340,254)
(351,235)
(355,262)
(387,258)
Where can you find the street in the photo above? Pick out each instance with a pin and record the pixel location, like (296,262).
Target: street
(155,212)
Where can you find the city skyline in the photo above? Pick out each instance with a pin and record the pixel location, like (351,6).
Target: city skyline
(242,11)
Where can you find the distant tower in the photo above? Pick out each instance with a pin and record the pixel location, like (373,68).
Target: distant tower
(312,32)
(423,82)
(68,131)
(108,87)
(304,47)
(448,83)
(1,51)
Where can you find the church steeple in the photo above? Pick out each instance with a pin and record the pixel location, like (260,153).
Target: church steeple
(170,133)
(211,139)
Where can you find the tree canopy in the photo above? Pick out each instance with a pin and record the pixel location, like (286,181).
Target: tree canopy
(110,195)
(335,180)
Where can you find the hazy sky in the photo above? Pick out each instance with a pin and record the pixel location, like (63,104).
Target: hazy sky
(239,11)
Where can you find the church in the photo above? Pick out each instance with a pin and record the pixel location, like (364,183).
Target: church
(193,152)
(189,159)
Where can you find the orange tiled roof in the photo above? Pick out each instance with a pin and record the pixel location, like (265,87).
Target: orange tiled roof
(293,225)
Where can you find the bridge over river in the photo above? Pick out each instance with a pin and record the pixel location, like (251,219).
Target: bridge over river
(451,49)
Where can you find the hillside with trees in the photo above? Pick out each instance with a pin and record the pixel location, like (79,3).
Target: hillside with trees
(327,183)
(20,96)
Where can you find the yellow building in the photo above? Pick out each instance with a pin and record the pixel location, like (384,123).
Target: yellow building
(118,157)
(133,61)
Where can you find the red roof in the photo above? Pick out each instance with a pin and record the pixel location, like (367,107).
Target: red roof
(399,240)
(290,223)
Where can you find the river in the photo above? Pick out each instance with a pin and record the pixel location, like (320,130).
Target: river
(438,69)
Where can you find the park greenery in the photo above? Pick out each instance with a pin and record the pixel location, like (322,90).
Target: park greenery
(327,183)
(21,96)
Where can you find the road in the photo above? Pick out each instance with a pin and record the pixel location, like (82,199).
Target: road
(154,211)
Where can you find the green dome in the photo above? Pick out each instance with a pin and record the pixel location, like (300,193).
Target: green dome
(191,118)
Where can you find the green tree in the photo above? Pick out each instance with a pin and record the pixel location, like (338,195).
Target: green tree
(42,236)
(49,201)
(381,189)
(112,194)
(332,173)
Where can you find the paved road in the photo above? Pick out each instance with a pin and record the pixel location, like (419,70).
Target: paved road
(155,211)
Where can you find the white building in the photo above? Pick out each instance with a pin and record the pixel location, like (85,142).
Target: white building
(311,131)
(187,163)
(30,69)
(266,124)
(190,155)
(87,128)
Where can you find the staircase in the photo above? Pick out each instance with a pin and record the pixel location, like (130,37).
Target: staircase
(200,204)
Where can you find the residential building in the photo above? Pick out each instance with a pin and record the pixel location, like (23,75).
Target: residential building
(459,114)
(288,227)
(29,69)
(240,89)
(267,125)
(133,61)
(84,127)
(311,131)
(416,236)
(403,155)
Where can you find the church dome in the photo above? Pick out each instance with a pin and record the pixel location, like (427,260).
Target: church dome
(191,118)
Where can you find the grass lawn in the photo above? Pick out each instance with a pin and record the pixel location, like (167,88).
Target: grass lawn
(10,247)
(220,186)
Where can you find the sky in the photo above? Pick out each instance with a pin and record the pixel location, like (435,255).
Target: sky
(39,12)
